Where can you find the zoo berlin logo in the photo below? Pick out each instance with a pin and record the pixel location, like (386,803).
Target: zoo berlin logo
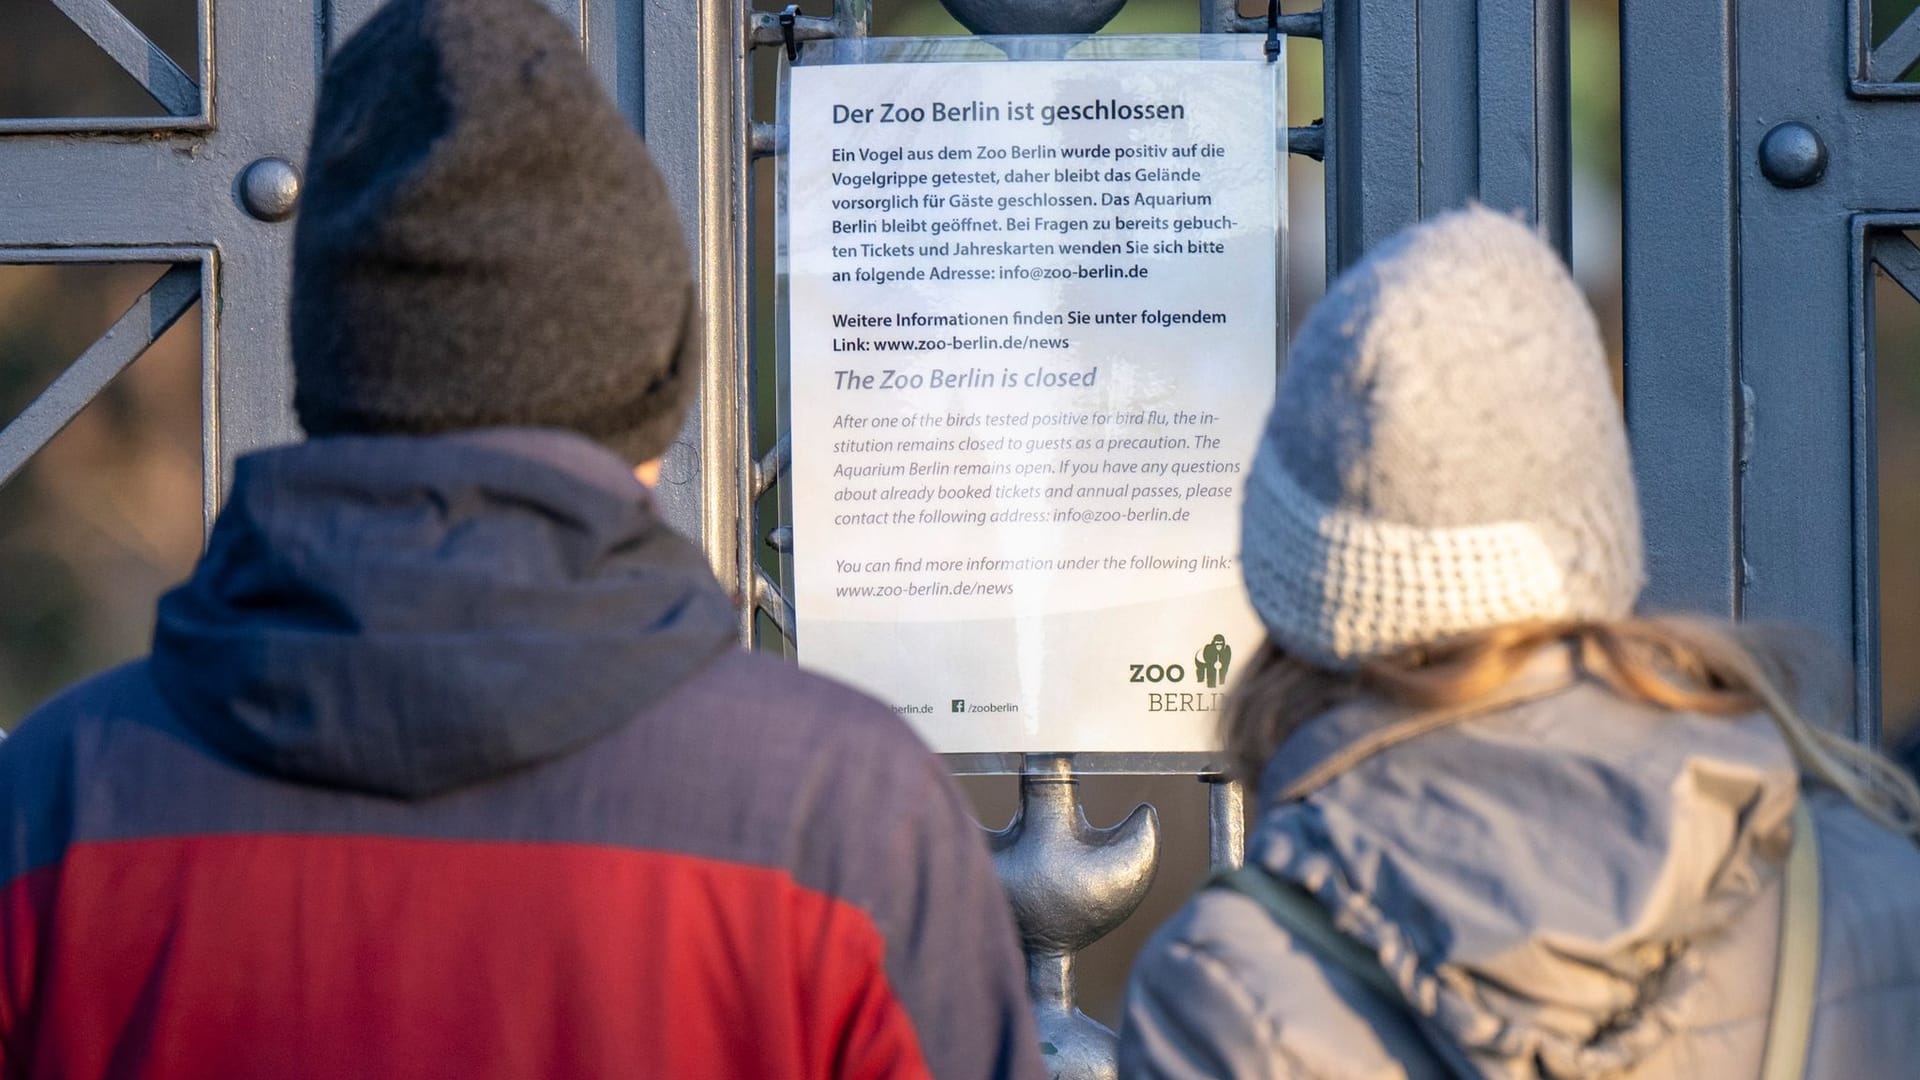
(1212,662)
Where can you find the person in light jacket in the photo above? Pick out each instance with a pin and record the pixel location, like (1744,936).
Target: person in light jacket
(1507,828)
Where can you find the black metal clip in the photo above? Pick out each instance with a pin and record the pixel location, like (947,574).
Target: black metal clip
(788,15)
(1273,30)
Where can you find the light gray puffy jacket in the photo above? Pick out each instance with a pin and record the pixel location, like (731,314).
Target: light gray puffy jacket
(1574,887)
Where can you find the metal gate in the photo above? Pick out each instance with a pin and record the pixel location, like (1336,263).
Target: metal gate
(1768,159)
(1765,169)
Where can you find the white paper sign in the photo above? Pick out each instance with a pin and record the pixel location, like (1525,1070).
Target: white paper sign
(1033,333)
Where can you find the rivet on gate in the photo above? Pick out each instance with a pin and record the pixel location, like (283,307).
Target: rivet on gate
(270,189)
(1792,155)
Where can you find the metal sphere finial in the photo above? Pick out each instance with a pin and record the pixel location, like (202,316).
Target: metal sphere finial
(1034,16)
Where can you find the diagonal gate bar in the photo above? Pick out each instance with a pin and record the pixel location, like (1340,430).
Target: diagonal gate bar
(1891,58)
(149,317)
(1901,260)
(133,50)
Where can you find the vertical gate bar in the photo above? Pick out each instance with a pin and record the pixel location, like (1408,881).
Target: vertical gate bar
(722,253)
(1553,122)
(1456,96)
(670,78)
(1866,244)
(212,488)
(1434,102)
(1227,822)
(1524,151)
(264,97)
(1373,152)
(1795,473)
(853,18)
(1682,339)
(1218,16)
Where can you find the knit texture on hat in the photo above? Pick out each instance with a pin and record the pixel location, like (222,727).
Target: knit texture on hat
(484,241)
(1445,453)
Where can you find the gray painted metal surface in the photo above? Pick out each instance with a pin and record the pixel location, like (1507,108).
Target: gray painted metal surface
(1767,161)
(1682,337)
(1432,103)
(163,189)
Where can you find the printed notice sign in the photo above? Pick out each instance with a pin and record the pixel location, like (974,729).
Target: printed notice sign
(1032,329)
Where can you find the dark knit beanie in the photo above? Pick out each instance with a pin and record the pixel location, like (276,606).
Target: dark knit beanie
(484,241)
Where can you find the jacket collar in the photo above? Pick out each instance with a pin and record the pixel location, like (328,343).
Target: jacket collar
(1341,738)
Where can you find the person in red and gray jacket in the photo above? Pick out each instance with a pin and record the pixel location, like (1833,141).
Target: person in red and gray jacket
(445,761)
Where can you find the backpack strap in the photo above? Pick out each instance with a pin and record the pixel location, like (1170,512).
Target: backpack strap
(1312,925)
(1796,974)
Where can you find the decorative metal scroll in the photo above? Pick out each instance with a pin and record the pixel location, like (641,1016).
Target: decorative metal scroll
(1071,884)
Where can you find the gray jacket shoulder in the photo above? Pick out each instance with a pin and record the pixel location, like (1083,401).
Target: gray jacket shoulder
(1221,990)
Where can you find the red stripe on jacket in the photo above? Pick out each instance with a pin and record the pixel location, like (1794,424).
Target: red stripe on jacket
(256,955)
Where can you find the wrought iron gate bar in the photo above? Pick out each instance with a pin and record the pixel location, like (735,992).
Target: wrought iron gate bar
(1900,259)
(117,190)
(1682,344)
(1893,57)
(767,139)
(151,315)
(767,597)
(1876,239)
(768,471)
(1309,141)
(1223,17)
(1227,821)
(136,53)
(723,253)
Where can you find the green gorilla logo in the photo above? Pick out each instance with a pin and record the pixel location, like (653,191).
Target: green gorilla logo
(1211,663)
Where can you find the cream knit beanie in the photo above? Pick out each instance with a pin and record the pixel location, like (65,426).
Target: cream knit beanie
(1445,454)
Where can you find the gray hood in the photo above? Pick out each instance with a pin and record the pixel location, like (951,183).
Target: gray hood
(409,615)
(1538,879)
